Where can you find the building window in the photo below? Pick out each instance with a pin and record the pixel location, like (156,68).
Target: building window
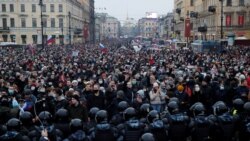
(24,39)
(11,8)
(34,22)
(34,38)
(228,20)
(3,8)
(44,8)
(229,2)
(191,2)
(52,8)
(241,2)
(4,20)
(22,8)
(60,8)
(60,22)
(23,22)
(5,38)
(44,22)
(53,23)
(13,38)
(241,20)
(12,22)
(33,8)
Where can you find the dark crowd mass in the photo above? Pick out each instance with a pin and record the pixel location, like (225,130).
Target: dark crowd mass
(84,93)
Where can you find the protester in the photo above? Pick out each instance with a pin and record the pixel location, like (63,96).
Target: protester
(56,78)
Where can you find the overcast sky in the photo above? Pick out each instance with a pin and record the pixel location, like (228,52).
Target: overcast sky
(135,8)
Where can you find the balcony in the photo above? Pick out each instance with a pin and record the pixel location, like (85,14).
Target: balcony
(178,10)
(202,29)
(77,31)
(4,29)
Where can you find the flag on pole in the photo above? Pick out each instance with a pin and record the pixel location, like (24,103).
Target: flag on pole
(103,48)
(51,40)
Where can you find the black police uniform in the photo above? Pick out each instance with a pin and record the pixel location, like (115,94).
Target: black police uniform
(12,134)
(103,130)
(132,129)
(77,133)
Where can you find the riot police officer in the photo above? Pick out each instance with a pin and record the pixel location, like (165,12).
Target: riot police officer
(132,129)
(27,122)
(12,134)
(244,132)
(144,110)
(224,123)
(103,130)
(200,123)
(46,125)
(178,122)
(62,121)
(91,123)
(77,133)
(156,126)
(118,118)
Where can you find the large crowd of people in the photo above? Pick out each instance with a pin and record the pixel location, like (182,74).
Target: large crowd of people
(87,93)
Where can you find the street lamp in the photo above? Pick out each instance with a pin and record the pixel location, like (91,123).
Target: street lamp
(41,6)
(221,26)
(69,29)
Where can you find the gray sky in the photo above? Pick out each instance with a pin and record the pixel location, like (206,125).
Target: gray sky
(136,8)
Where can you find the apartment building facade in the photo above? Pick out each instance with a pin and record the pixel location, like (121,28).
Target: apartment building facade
(149,27)
(107,27)
(205,18)
(20,21)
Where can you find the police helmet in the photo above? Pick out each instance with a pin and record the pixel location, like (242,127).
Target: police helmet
(26,118)
(45,117)
(3,129)
(101,116)
(219,108)
(62,115)
(123,105)
(75,124)
(175,99)
(92,112)
(247,107)
(147,137)
(152,115)
(13,124)
(129,113)
(145,109)
(173,107)
(197,108)
(238,103)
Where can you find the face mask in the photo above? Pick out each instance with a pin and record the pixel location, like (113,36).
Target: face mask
(79,80)
(95,91)
(222,87)
(52,94)
(197,89)
(33,88)
(133,82)
(100,81)
(11,92)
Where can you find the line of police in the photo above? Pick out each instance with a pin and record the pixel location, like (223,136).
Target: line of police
(131,125)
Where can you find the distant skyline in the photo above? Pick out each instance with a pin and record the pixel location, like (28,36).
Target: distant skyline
(133,8)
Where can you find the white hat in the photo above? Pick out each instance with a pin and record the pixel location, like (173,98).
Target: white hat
(71,89)
(74,81)
(155,84)
(141,93)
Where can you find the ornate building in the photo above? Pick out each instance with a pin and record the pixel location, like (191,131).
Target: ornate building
(205,18)
(106,27)
(20,20)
